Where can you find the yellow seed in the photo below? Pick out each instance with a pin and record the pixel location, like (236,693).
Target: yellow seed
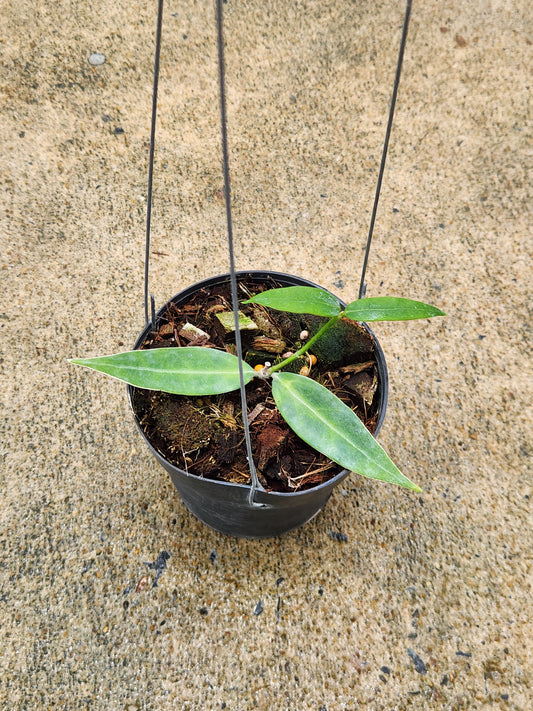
(312,358)
(304,370)
(258,367)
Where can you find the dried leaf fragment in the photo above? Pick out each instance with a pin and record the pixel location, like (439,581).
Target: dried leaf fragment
(364,385)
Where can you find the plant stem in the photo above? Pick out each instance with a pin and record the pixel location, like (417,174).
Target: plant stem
(307,346)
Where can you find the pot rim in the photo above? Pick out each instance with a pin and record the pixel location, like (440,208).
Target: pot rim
(279,276)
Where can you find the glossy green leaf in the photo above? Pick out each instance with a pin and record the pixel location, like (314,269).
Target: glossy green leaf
(299,300)
(390,308)
(330,426)
(183,371)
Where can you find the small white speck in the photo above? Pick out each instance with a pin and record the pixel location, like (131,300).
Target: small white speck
(96,59)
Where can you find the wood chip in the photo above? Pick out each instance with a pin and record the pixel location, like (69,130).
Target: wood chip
(258,409)
(190,332)
(167,329)
(357,367)
(227,320)
(270,345)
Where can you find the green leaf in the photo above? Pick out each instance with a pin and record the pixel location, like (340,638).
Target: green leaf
(330,426)
(299,300)
(390,308)
(183,371)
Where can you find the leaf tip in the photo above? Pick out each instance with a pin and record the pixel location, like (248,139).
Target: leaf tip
(410,485)
(433,311)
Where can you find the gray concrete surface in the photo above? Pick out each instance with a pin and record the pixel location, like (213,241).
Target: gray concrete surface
(427,604)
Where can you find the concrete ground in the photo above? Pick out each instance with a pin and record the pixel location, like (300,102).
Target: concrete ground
(424,602)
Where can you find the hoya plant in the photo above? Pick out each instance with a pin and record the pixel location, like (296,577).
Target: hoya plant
(315,413)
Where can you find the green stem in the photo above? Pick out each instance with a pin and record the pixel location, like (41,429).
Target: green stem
(307,346)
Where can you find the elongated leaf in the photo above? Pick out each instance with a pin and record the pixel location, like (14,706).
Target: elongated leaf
(328,425)
(183,371)
(299,300)
(390,308)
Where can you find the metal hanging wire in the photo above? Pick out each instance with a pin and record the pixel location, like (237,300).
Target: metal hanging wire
(362,285)
(151,165)
(234,295)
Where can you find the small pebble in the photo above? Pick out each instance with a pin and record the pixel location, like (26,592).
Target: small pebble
(419,665)
(96,59)
(338,536)
(142,584)
(258,608)
(159,566)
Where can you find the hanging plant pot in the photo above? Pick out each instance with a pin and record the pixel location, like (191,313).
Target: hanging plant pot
(309,428)
(199,440)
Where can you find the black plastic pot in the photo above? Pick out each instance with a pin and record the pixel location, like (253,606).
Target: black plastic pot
(224,506)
